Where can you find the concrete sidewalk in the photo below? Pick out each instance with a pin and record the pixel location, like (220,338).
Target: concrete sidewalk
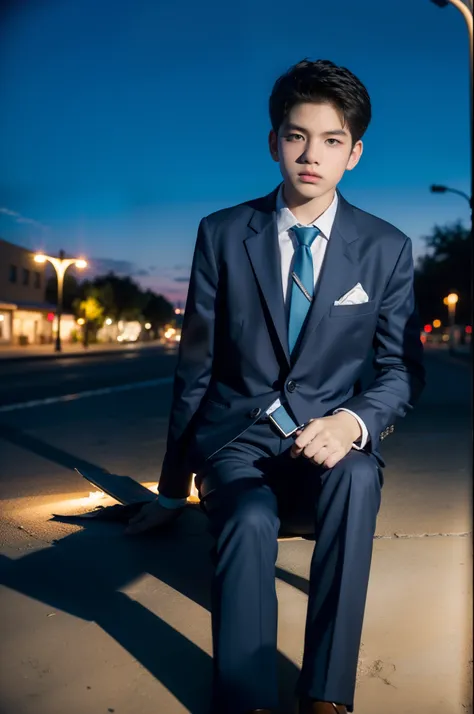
(97,622)
(8,353)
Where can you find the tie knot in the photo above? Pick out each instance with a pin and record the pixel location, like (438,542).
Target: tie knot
(306,234)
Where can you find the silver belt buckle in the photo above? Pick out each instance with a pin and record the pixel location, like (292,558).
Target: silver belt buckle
(284,433)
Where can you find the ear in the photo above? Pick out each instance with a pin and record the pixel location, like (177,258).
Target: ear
(356,153)
(273,145)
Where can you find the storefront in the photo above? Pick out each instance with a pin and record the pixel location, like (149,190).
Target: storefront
(30,327)
(6,322)
(37,325)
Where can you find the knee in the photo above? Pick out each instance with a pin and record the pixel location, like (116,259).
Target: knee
(244,510)
(254,518)
(362,470)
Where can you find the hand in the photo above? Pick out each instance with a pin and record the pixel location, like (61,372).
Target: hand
(327,440)
(152,515)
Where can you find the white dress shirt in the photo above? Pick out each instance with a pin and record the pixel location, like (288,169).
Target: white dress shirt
(288,243)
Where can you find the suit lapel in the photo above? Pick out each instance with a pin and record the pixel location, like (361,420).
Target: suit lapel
(264,254)
(339,273)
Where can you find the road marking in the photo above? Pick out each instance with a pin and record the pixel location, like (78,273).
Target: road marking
(89,393)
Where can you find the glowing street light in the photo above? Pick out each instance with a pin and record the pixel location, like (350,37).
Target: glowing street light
(451,301)
(60,265)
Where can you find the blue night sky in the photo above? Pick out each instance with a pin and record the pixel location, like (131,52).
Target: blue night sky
(124,122)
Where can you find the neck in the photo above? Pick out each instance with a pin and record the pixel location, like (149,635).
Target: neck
(304,209)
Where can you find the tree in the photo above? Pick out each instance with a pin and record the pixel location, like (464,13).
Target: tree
(123,298)
(446,268)
(157,310)
(92,313)
(91,309)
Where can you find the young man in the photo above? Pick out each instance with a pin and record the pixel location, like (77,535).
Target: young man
(288,296)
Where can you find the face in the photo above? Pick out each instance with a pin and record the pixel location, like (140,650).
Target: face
(313,139)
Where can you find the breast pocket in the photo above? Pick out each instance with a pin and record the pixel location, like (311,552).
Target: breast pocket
(363,308)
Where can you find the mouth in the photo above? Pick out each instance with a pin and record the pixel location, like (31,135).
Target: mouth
(309,177)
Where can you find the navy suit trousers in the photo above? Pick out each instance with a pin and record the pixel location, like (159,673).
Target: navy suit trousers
(251,490)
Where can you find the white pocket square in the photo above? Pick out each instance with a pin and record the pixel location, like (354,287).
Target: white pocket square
(355,296)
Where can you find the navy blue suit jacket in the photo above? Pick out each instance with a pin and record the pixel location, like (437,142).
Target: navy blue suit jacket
(233,356)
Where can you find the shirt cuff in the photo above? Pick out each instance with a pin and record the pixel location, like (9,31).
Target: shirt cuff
(365,434)
(171,502)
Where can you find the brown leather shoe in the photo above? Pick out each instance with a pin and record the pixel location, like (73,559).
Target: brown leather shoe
(311,706)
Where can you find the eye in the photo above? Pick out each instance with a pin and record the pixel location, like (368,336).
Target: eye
(290,137)
(335,140)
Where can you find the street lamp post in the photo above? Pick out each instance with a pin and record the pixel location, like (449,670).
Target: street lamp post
(465,8)
(466,12)
(451,301)
(436,188)
(60,264)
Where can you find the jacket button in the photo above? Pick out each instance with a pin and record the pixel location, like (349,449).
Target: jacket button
(255,413)
(291,386)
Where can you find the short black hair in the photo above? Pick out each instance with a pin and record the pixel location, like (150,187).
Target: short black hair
(322,82)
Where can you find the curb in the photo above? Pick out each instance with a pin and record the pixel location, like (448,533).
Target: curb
(70,355)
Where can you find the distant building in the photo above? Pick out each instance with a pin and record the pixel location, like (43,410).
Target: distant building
(25,316)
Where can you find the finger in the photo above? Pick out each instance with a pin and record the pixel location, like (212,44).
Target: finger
(138,516)
(135,519)
(320,441)
(139,527)
(132,526)
(309,432)
(295,451)
(319,456)
(333,459)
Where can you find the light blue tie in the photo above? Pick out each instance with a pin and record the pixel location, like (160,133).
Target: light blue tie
(302,289)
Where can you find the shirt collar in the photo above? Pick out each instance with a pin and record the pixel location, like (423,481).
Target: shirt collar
(286,219)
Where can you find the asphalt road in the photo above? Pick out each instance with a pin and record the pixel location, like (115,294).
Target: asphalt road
(24,381)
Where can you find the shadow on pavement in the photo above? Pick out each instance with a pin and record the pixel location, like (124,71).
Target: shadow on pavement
(83,573)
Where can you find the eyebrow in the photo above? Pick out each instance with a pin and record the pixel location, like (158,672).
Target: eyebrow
(338,132)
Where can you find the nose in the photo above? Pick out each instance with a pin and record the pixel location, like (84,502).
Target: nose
(310,154)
